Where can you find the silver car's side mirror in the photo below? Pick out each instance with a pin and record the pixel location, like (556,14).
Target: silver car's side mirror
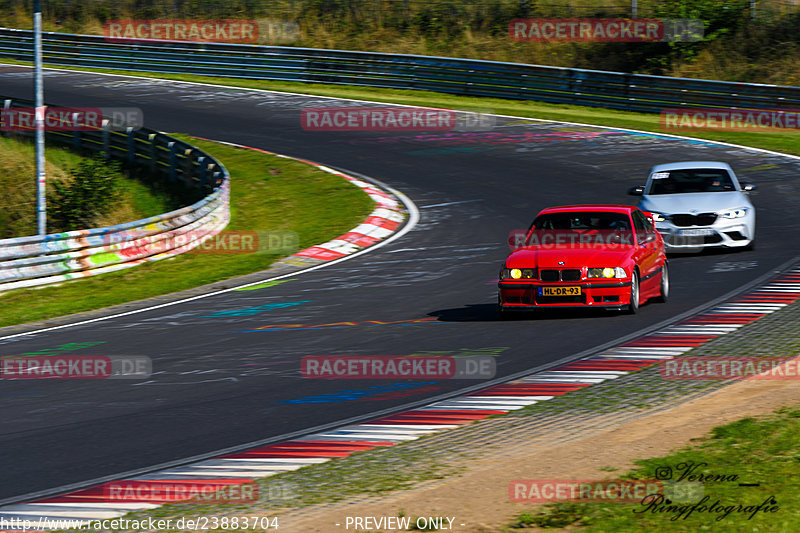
(636,191)
(748,186)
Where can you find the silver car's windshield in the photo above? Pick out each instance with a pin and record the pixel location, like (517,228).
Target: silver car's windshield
(690,181)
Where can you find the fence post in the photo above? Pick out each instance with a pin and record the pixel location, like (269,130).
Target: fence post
(173,161)
(6,107)
(131,145)
(188,167)
(76,133)
(106,140)
(201,171)
(153,151)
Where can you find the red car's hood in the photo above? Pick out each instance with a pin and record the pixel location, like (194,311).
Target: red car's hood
(573,257)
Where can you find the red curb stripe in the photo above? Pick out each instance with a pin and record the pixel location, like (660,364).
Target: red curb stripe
(721,319)
(288,454)
(600,365)
(566,386)
(359,239)
(100,493)
(434,418)
(317,252)
(382,223)
(293,446)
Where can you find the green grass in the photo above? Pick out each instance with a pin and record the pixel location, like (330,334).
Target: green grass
(267,193)
(787,141)
(762,450)
(18,190)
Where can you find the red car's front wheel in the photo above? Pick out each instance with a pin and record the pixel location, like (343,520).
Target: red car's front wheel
(633,306)
(664,294)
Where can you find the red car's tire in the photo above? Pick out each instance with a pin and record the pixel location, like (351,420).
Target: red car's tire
(664,292)
(633,306)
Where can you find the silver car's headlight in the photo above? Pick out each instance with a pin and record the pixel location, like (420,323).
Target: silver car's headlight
(739,212)
(658,217)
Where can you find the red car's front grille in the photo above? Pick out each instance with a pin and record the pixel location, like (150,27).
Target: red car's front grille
(567,274)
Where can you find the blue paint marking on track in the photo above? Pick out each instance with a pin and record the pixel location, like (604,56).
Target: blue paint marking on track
(248,311)
(356,394)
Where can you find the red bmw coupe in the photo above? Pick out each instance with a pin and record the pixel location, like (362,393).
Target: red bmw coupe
(608,256)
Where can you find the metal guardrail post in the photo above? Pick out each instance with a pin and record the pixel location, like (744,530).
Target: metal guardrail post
(173,161)
(6,107)
(201,164)
(626,92)
(153,151)
(76,134)
(131,144)
(106,140)
(187,169)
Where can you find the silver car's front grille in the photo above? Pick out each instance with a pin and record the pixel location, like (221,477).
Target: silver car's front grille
(686,219)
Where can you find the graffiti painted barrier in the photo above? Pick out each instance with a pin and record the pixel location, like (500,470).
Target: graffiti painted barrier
(43,259)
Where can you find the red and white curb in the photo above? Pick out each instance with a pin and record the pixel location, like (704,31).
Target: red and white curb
(263,461)
(387,217)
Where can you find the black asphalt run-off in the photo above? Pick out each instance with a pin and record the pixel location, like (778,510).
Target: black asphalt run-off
(217,384)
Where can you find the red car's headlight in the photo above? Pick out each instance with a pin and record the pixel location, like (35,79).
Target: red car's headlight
(607,273)
(518,273)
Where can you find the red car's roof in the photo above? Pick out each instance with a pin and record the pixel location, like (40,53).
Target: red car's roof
(609,208)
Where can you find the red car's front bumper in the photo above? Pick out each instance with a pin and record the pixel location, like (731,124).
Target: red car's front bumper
(526,294)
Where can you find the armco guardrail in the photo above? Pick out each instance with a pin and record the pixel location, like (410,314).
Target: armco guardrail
(632,92)
(39,260)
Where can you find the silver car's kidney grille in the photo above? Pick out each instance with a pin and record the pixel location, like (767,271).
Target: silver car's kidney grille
(685,219)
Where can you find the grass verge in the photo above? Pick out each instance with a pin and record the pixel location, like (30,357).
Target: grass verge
(786,141)
(267,193)
(18,190)
(761,451)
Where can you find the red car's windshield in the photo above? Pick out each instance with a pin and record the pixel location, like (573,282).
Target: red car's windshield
(580,221)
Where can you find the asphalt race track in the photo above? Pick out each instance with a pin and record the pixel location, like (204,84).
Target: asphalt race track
(218,383)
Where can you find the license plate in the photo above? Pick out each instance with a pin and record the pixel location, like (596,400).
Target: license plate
(701,232)
(559,291)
